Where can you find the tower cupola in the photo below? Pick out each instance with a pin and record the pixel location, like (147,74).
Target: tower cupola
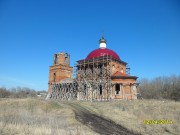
(102,43)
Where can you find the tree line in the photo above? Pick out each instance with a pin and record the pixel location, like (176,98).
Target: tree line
(164,87)
(18,92)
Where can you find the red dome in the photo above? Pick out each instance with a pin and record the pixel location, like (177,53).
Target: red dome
(102,52)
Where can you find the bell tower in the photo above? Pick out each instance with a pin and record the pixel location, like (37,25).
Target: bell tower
(60,69)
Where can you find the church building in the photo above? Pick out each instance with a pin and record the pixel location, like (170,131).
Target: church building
(102,75)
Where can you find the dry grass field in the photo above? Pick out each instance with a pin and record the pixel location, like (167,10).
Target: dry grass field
(131,115)
(40,117)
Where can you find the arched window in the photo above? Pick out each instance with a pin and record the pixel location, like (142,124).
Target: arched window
(100,70)
(54,77)
(117,89)
(66,58)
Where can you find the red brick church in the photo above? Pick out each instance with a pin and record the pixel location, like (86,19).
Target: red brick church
(102,75)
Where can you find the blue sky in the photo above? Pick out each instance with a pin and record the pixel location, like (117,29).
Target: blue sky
(146,34)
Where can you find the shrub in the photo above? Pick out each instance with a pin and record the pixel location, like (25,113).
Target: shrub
(4,93)
(17,93)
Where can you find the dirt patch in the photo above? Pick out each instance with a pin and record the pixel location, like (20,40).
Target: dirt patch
(99,124)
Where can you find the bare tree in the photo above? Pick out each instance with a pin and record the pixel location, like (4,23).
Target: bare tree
(18,92)
(161,88)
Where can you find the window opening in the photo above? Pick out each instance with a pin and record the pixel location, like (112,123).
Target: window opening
(85,89)
(100,88)
(56,59)
(66,58)
(100,70)
(117,91)
(54,77)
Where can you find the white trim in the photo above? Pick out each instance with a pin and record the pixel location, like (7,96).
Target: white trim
(102,45)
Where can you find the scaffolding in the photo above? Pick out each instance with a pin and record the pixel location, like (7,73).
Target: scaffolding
(64,90)
(94,78)
(91,81)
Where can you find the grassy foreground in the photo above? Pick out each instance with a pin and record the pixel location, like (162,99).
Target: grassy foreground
(39,117)
(131,114)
